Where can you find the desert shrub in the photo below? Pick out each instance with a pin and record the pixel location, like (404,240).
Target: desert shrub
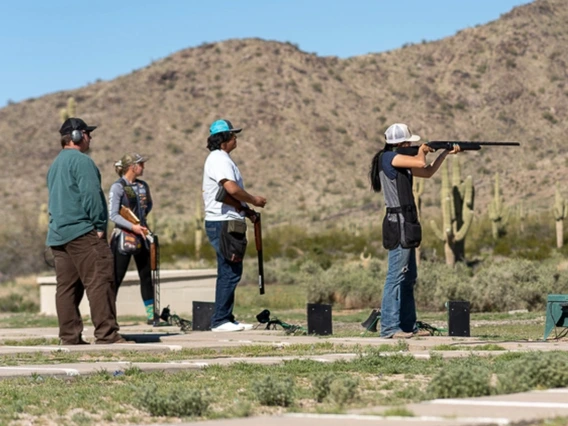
(184,249)
(537,370)
(274,391)
(437,283)
(324,247)
(350,285)
(23,247)
(459,380)
(16,302)
(276,271)
(527,238)
(496,286)
(515,284)
(343,390)
(321,386)
(170,402)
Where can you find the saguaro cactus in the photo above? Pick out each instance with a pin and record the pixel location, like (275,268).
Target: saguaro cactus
(498,212)
(560,213)
(417,191)
(457,213)
(65,113)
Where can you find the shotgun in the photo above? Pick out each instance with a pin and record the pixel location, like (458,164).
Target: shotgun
(223,196)
(154,249)
(449,145)
(258,243)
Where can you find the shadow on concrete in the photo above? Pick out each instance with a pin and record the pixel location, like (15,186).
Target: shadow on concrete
(148,337)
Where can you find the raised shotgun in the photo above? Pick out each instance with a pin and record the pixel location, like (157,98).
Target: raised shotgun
(449,145)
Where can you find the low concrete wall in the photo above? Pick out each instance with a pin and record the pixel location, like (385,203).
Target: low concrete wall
(178,289)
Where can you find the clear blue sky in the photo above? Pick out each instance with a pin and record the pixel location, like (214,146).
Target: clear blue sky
(52,45)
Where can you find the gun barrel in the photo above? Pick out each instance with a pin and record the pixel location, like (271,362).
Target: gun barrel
(480,143)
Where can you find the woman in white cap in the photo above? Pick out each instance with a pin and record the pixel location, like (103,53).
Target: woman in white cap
(393,172)
(128,239)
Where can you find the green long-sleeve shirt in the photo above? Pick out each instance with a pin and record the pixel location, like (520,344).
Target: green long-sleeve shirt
(77,203)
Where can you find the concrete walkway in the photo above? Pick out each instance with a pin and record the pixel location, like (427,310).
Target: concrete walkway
(498,410)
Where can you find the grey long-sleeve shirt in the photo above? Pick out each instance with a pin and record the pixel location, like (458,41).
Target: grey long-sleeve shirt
(143,202)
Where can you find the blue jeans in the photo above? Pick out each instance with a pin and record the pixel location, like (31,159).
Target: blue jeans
(228,276)
(398,310)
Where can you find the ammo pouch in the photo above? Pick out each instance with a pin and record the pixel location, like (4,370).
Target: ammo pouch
(127,243)
(233,240)
(401,226)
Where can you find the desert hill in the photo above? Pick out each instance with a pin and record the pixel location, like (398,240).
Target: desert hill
(312,124)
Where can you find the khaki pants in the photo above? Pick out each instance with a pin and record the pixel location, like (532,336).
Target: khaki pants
(85,264)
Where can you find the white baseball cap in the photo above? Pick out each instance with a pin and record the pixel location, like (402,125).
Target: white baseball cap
(398,133)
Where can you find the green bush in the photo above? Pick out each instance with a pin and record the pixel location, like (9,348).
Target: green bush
(437,283)
(538,370)
(527,238)
(344,390)
(170,402)
(321,386)
(276,271)
(23,247)
(274,391)
(349,285)
(460,381)
(16,302)
(325,247)
(494,286)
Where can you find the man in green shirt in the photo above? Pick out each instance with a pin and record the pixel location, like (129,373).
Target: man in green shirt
(76,234)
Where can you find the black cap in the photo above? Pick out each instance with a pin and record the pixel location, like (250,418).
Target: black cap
(75,124)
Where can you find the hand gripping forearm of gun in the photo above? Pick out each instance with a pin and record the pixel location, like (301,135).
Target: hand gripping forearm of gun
(231,194)
(223,196)
(129,215)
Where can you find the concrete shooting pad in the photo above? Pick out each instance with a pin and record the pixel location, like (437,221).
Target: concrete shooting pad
(497,410)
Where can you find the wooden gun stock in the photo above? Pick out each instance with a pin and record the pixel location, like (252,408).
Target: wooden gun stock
(129,215)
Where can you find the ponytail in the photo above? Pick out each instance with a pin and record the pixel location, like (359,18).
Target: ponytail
(375,169)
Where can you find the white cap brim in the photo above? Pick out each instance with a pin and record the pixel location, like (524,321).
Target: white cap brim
(413,138)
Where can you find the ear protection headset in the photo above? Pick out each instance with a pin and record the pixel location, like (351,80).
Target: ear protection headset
(76,135)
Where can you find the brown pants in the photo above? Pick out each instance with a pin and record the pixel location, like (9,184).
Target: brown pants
(85,264)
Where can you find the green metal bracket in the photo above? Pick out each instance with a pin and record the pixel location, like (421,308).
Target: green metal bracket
(556,313)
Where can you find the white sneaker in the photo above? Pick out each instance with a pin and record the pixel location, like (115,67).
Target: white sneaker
(245,326)
(228,326)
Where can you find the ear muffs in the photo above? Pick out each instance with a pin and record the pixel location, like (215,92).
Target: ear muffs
(76,136)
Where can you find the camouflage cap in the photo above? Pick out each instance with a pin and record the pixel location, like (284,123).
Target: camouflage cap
(130,159)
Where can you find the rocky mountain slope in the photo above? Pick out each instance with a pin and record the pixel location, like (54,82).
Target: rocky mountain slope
(312,124)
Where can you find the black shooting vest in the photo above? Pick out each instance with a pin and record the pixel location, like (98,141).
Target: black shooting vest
(400,224)
(135,199)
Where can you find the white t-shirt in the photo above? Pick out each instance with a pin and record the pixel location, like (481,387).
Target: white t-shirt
(219,166)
